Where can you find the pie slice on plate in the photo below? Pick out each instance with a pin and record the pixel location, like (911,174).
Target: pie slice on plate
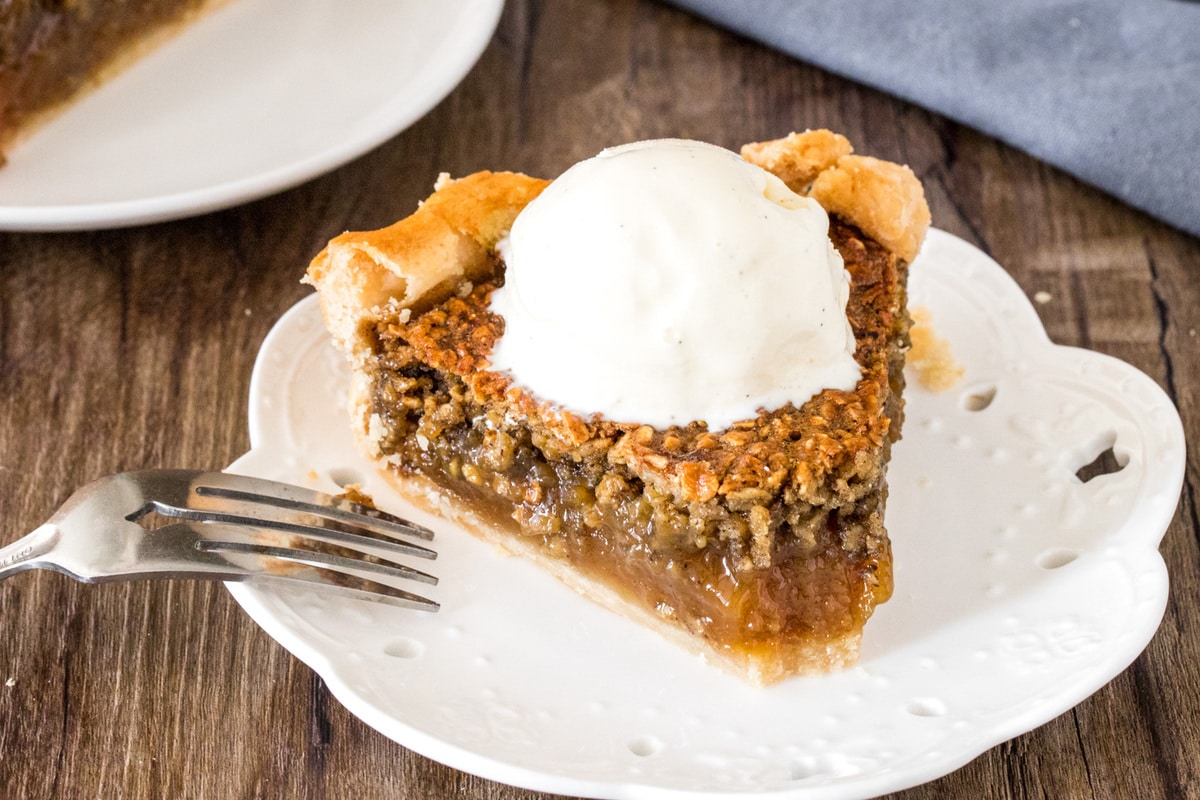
(760,544)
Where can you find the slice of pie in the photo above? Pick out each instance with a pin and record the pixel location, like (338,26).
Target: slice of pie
(761,545)
(51,52)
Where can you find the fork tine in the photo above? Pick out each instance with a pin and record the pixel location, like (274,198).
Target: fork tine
(198,550)
(284,495)
(365,563)
(253,497)
(331,531)
(344,584)
(334,508)
(218,498)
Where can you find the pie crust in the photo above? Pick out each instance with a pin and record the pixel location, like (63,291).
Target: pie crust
(761,546)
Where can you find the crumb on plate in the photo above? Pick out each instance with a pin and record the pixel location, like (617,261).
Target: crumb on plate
(930,358)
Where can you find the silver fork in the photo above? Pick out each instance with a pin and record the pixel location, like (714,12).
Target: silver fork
(217,526)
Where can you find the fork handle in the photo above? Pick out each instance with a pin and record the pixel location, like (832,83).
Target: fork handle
(28,552)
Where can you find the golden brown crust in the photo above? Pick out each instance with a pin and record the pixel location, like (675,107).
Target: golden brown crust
(420,259)
(884,199)
(798,158)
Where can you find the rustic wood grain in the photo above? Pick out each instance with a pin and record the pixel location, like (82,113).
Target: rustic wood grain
(133,348)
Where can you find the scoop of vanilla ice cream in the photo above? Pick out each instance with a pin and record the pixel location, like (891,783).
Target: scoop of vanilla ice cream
(669,281)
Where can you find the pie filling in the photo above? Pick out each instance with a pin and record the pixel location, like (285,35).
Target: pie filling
(757,571)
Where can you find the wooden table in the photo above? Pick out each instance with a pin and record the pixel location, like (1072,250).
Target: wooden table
(133,348)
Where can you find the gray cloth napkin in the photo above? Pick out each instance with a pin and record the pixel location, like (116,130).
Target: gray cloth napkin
(1107,90)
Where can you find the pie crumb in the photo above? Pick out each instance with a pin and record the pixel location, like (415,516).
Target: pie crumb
(930,357)
(355,494)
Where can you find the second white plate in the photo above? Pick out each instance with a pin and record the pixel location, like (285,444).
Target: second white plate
(257,97)
(1021,589)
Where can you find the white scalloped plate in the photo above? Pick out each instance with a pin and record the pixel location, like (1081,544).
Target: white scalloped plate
(1020,589)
